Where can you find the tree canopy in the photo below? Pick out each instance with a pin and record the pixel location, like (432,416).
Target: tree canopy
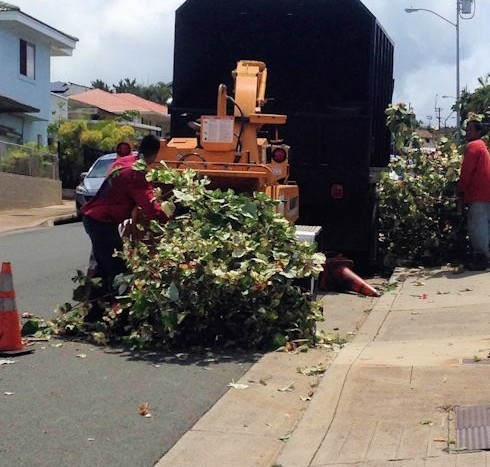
(158,92)
(477,102)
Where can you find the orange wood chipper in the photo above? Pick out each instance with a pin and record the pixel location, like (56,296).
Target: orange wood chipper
(227,148)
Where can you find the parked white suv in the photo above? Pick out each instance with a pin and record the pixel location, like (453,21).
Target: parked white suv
(91,181)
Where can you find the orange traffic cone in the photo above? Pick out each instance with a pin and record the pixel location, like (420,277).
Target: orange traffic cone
(338,274)
(350,280)
(10,335)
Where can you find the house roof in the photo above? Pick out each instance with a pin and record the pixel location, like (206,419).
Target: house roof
(61,44)
(154,106)
(423,133)
(61,87)
(118,103)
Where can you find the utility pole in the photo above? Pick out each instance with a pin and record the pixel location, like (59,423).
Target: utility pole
(438,116)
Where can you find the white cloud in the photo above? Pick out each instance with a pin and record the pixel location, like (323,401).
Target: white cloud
(132,38)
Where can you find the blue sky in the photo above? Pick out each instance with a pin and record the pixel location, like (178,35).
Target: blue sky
(119,38)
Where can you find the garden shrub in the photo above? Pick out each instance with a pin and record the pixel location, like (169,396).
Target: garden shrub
(28,159)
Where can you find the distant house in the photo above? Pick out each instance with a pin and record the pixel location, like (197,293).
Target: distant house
(26,48)
(59,98)
(67,89)
(97,104)
(428,139)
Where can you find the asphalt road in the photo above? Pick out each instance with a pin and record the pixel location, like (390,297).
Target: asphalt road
(75,404)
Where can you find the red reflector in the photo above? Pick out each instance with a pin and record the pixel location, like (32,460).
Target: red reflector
(279,155)
(337,191)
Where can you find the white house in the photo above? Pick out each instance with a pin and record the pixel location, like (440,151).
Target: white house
(59,98)
(26,48)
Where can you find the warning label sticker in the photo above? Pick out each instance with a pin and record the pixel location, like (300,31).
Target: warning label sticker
(217,129)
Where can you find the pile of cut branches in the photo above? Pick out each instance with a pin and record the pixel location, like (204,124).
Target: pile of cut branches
(222,272)
(421,222)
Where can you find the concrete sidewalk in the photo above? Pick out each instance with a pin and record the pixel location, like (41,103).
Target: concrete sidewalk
(386,399)
(18,219)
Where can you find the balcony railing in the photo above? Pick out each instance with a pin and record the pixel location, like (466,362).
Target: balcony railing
(23,160)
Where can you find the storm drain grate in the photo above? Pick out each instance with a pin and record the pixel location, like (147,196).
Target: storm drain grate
(473,427)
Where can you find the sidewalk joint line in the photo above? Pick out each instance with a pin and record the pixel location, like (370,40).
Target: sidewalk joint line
(388,312)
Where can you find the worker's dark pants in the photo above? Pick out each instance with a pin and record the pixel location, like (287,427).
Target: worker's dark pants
(105,239)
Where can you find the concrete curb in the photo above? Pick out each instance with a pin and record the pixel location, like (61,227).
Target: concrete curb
(313,427)
(250,428)
(61,219)
(44,222)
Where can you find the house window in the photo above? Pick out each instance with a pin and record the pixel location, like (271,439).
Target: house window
(27,59)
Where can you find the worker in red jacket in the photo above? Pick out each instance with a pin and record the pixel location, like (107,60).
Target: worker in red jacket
(124,188)
(474,185)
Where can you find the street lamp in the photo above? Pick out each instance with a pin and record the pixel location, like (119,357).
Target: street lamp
(447,118)
(456,25)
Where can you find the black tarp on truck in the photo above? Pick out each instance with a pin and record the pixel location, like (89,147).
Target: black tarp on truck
(330,70)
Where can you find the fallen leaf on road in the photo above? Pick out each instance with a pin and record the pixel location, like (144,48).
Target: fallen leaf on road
(237,385)
(144,410)
(81,355)
(90,439)
(57,346)
(6,361)
(440,440)
(468,289)
(419,283)
(427,422)
(311,370)
(415,313)
(264,380)
(302,348)
(288,388)
(284,438)
(7,393)
(442,293)
(290,346)
(305,399)
(324,346)
(99,338)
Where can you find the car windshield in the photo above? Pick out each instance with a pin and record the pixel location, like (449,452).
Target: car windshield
(100,168)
